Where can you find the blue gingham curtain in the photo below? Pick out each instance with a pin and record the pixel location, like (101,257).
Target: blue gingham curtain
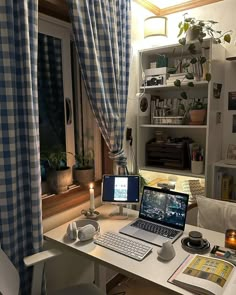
(102,35)
(20,205)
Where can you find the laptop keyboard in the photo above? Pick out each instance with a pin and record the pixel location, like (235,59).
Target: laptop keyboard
(156,228)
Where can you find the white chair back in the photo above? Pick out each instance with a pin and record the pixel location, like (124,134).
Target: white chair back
(9,277)
(216,215)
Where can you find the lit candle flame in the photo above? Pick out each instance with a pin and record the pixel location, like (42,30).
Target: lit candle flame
(91,185)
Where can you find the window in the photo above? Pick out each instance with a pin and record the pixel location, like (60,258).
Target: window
(65,120)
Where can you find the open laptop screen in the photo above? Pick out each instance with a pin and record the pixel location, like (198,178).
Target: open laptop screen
(165,207)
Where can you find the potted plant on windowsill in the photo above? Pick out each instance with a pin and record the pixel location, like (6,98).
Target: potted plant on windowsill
(83,170)
(59,175)
(197,112)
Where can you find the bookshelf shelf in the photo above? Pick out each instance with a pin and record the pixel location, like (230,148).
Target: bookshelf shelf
(172,171)
(163,101)
(174,126)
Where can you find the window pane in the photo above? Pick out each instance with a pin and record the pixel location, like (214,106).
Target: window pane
(50,90)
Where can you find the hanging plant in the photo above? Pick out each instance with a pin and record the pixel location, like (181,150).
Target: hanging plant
(192,30)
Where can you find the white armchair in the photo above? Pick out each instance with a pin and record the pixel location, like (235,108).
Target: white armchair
(10,280)
(216,215)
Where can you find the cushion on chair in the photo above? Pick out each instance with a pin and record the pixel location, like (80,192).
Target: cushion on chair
(81,289)
(215,214)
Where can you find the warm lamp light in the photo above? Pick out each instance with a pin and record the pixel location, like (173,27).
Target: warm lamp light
(155,26)
(230,239)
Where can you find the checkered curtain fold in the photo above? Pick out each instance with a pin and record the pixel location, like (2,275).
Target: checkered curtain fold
(20,204)
(102,35)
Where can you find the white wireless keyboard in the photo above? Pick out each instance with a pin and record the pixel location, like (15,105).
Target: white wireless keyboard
(123,245)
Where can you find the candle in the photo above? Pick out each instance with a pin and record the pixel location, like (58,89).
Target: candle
(91,194)
(230,239)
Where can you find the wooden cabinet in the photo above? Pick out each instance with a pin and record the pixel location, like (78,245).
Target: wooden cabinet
(207,135)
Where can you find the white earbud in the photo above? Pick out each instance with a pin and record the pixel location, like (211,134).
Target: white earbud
(72,231)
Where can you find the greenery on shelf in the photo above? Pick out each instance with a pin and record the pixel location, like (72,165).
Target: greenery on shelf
(198,29)
(84,160)
(201,29)
(197,105)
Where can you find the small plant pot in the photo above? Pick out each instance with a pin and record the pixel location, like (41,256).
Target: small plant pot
(192,36)
(58,181)
(197,117)
(83,176)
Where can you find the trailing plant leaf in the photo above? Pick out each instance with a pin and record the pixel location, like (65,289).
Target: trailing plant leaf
(184,95)
(208,77)
(182,41)
(189,76)
(227,38)
(186,27)
(190,84)
(177,83)
(180,24)
(186,65)
(193,60)
(202,60)
(180,32)
(192,49)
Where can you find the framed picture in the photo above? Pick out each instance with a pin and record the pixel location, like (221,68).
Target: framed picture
(232,100)
(217,90)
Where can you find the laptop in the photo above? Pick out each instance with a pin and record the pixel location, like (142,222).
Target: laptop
(162,216)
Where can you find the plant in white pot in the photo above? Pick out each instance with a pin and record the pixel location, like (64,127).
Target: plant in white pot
(83,170)
(194,30)
(59,175)
(191,31)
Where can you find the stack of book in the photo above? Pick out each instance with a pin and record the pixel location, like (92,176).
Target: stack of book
(173,77)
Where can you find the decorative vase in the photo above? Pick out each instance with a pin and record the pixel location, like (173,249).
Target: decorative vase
(83,176)
(197,117)
(59,180)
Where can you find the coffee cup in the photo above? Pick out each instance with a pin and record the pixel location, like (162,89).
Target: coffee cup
(195,238)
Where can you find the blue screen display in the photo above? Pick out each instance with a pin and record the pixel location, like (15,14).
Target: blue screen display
(120,188)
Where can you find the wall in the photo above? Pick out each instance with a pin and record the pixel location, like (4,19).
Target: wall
(223,12)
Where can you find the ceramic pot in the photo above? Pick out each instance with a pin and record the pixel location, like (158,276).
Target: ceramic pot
(58,181)
(192,36)
(197,117)
(83,176)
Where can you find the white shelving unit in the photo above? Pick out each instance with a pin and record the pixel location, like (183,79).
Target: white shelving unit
(208,135)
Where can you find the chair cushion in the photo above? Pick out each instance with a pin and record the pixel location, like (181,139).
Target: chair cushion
(215,214)
(81,289)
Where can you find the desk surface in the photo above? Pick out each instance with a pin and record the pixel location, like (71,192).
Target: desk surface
(150,268)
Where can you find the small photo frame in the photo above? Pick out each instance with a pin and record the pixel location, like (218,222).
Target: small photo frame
(232,100)
(217,90)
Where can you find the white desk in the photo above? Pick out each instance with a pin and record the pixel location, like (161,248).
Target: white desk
(150,269)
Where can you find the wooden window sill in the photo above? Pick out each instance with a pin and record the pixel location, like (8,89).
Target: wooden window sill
(55,204)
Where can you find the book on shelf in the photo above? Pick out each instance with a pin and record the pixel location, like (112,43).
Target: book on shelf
(205,275)
(218,185)
(226,187)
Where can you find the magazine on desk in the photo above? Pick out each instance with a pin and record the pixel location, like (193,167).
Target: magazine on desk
(206,275)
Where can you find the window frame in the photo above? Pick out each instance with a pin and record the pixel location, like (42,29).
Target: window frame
(53,204)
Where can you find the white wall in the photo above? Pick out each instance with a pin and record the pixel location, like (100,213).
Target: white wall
(224,13)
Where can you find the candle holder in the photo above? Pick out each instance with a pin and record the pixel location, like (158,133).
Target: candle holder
(90,213)
(230,239)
